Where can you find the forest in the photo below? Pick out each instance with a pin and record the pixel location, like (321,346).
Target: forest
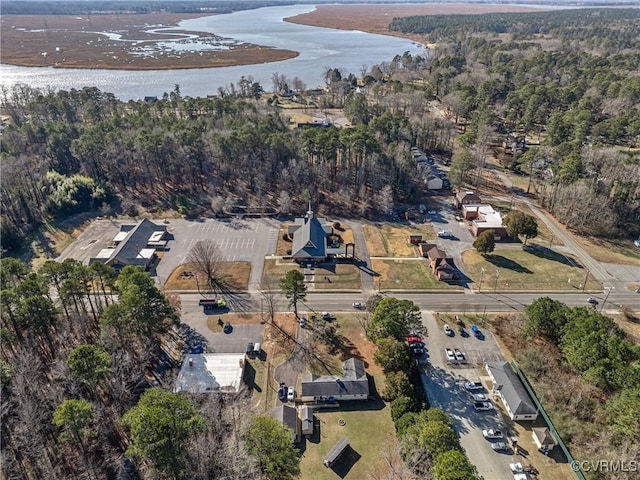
(576,102)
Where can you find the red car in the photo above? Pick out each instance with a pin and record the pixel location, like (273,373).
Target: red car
(414,339)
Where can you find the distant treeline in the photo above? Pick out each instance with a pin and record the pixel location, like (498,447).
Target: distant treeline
(619,25)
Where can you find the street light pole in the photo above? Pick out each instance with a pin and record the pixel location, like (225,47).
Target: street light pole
(481,275)
(584,285)
(495,284)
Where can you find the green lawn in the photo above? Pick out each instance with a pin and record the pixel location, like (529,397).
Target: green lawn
(541,269)
(407,274)
(344,277)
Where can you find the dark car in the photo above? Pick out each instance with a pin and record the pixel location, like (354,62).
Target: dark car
(249,350)
(418,351)
(416,345)
(227,327)
(282,392)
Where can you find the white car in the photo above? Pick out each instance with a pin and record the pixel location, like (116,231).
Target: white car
(450,356)
(480,397)
(358,305)
(473,386)
(499,446)
(459,355)
(291,394)
(492,434)
(447,330)
(482,406)
(328,316)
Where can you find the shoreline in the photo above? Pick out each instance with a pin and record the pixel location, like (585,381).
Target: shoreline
(86,43)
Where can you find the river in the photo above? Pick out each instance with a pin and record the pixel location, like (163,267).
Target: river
(319,48)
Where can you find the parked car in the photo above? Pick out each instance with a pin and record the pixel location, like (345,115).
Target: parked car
(480,397)
(447,330)
(328,316)
(492,434)
(469,386)
(291,394)
(416,345)
(476,331)
(450,356)
(445,234)
(462,331)
(418,351)
(459,355)
(482,406)
(500,446)
(592,301)
(227,327)
(432,212)
(358,305)
(302,322)
(413,338)
(249,350)
(282,392)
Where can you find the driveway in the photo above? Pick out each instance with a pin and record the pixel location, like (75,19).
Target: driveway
(296,365)
(443,384)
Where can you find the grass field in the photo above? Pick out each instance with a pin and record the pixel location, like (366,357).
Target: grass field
(235,274)
(406,274)
(367,425)
(541,269)
(611,251)
(342,277)
(391,240)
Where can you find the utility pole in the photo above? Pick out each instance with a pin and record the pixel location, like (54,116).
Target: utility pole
(584,285)
(605,298)
(481,275)
(495,284)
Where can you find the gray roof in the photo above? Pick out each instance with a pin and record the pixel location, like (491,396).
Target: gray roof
(511,388)
(127,252)
(353,382)
(310,239)
(306,416)
(544,436)
(287,415)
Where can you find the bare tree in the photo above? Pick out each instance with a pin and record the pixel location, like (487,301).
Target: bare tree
(284,203)
(205,258)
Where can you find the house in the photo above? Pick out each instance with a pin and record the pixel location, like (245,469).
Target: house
(512,392)
(210,372)
(415,239)
(134,245)
(288,416)
(434,182)
(352,385)
(306,419)
(483,217)
(543,439)
(309,238)
(333,455)
(466,198)
(441,265)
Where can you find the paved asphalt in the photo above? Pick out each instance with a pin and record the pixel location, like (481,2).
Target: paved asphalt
(444,382)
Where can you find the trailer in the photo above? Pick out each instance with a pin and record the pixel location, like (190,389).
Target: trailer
(212,303)
(334,454)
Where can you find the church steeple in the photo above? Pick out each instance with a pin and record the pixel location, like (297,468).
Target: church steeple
(310,212)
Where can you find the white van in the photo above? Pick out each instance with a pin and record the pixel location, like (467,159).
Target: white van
(257,349)
(445,233)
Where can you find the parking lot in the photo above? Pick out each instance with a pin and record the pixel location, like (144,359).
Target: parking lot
(239,240)
(444,384)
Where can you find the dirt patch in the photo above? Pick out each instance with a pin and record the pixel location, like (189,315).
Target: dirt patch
(69,41)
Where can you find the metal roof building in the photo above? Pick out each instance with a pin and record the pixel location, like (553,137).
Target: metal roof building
(211,372)
(512,392)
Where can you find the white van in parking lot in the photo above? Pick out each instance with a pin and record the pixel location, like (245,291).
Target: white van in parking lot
(445,233)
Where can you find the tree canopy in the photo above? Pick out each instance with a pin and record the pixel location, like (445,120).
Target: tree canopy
(294,288)
(270,442)
(518,223)
(394,318)
(161,425)
(485,242)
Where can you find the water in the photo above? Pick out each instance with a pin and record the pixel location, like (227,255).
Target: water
(319,49)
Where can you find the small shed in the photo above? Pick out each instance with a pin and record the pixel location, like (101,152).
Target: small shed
(306,416)
(543,438)
(415,239)
(334,454)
